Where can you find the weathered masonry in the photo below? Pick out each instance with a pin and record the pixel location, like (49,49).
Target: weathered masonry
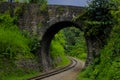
(46,23)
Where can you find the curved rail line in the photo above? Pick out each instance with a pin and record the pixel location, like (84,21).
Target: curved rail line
(56,71)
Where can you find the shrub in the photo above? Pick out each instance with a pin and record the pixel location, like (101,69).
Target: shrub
(12,42)
(16,59)
(57,50)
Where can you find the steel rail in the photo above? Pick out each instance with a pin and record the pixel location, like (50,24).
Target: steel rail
(56,71)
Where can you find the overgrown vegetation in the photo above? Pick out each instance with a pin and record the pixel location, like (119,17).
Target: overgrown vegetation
(101,19)
(57,50)
(11,40)
(15,52)
(106,67)
(98,20)
(68,42)
(18,60)
(75,43)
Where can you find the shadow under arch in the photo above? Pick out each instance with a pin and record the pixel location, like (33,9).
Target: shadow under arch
(47,38)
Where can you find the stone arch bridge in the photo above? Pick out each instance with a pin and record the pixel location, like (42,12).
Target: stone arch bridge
(46,22)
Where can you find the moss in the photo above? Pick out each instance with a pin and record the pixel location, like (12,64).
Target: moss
(40,24)
(59,8)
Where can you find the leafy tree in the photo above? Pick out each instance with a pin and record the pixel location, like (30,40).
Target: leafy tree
(75,43)
(57,50)
(97,22)
(108,67)
(98,18)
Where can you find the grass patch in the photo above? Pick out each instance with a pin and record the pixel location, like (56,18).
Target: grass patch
(19,69)
(84,74)
(23,77)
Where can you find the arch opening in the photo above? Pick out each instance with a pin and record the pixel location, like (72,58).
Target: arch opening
(47,38)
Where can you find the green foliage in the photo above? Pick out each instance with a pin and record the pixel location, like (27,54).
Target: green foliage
(42,3)
(107,67)
(18,11)
(9,70)
(34,41)
(12,42)
(75,43)
(58,51)
(34,44)
(43,7)
(22,1)
(59,8)
(110,56)
(2,0)
(6,21)
(40,24)
(15,47)
(22,77)
(98,19)
(85,75)
(69,41)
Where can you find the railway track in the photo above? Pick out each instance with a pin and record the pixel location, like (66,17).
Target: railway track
(56,71)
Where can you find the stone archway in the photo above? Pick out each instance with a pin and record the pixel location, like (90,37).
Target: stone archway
(47,38)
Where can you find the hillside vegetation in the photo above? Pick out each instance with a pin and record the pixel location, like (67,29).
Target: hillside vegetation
(57,51)
(107,66)
(68,42)
(18,49)
(75,43)
(101,22)
(16,60)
